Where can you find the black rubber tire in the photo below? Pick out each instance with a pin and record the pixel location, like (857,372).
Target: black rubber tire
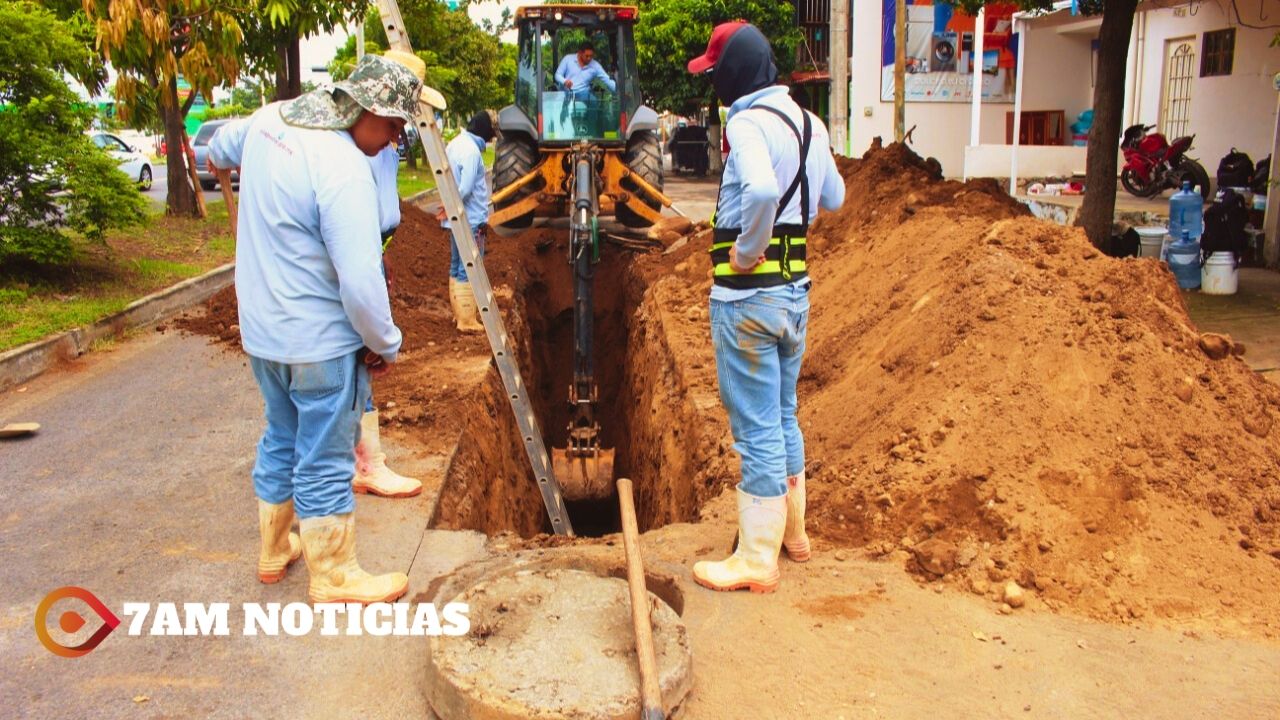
(515,156)
(1195,172)
(209,184)
(644,158)
(1133,184)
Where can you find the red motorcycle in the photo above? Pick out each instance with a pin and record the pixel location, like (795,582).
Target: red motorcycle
(1153,165)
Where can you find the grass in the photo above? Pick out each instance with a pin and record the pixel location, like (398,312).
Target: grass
(411,182)
(36,302)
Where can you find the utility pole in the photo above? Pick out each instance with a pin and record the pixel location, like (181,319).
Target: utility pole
(839,65)
(359,40)
(900,70)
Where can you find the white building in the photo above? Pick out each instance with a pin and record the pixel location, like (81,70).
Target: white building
(1193,68)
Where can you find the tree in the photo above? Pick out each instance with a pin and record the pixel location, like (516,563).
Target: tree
(43,146)
(153,42)
(1098,211)
(670,32)
(273,32)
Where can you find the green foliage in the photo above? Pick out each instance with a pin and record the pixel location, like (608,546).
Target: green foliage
(249,93)
(468,65)
(43,146)
(227,110)
(670,32)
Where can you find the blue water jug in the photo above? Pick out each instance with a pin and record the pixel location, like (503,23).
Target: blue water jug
(1186,212)
(1184,260)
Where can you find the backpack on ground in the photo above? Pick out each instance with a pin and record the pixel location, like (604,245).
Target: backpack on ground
(1235,170)
(1261,175)
(1224,223)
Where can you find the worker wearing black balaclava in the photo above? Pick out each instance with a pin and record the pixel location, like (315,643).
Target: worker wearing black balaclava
(778,173)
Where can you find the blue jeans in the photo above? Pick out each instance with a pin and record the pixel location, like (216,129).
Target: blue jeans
(759,344)
(457,270)
(307,451)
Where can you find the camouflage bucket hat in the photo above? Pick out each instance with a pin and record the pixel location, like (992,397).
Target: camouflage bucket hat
(381,86)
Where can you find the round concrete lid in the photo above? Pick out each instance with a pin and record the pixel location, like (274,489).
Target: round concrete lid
(553,643)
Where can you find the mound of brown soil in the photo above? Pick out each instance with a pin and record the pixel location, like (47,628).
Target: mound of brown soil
(1044,413)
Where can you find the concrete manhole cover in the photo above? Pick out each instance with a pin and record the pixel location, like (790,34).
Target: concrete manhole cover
(553,643)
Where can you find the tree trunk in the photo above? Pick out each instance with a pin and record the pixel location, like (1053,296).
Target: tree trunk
(713,134)
(282,68)
(181,198)
(1099,208)
(295,65)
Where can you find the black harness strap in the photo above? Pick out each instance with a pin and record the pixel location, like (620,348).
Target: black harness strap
(801,180)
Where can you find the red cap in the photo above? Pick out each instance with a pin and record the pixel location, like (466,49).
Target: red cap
(719,38)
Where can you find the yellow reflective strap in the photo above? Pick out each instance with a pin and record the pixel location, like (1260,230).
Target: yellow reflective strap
(773,241)
(765,268)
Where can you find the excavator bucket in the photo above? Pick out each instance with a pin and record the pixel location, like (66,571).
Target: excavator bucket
(583,477)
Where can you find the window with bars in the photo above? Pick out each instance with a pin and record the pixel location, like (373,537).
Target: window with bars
(1219,50)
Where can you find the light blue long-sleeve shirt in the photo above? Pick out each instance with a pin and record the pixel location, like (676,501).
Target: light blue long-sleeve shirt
(385,166)
(308,254)
(763,159)
(570,69)
(466,155)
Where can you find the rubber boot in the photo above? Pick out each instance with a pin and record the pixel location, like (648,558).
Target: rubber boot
(465,312)
(329,543)
(754,564)
(372,474)
(795,539)
(279,546)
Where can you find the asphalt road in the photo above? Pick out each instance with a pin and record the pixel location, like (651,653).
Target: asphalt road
(160,189)
(137,488)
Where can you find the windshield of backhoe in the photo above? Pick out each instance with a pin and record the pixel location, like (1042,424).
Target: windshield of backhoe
(574,93)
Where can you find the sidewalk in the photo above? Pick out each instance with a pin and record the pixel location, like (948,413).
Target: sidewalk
(1251,316)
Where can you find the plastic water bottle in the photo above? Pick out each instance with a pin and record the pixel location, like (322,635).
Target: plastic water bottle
(1184,261)
(1186,212)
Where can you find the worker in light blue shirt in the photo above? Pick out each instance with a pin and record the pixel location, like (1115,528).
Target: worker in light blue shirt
(315,317)
(576,72)
(466,154)
(779,172)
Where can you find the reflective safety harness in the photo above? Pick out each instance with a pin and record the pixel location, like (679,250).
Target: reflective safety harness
(785,258)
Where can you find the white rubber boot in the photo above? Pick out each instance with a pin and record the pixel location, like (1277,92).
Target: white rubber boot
(465,312)
(372,474)
(329,543)
(754,564)
(279,546)
(794,539)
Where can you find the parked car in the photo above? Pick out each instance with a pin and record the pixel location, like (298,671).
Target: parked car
(133,162)
(408,138)
(208,180)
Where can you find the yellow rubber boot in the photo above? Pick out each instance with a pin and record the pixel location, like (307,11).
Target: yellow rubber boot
(372,474)
(794,538)
(279,546)
(329,543)
(465,312)
(754,564)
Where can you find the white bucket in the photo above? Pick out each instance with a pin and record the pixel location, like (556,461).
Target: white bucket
(1150,240)
(1219,276)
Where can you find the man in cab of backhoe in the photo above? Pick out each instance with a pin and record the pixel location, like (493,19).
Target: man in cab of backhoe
(779,172)
(577,71)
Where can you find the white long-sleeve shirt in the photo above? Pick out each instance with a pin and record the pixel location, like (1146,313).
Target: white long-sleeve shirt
(581,76)
(386,166)
(466,154)
(763,158)
(308,254)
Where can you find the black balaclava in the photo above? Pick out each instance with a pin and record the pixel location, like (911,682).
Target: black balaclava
(744,66)
(481,126)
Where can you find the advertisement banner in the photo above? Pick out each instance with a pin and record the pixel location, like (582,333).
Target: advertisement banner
(940,52)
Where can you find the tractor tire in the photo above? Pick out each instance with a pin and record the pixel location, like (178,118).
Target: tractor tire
(515,156)
(644,158)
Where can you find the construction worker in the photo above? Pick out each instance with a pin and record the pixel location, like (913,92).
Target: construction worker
(315,317)
(372,474)
(779,172)
(466,154)
(577,71)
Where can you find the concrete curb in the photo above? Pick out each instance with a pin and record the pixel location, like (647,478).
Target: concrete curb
(27,361)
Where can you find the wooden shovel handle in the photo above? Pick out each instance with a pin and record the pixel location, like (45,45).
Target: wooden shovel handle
(650,691)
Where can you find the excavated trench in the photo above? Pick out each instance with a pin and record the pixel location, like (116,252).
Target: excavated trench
(643,409)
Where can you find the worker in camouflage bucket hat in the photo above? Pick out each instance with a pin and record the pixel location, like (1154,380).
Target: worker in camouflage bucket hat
(315,316)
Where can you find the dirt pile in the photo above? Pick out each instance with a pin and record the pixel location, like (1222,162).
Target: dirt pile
(990,394)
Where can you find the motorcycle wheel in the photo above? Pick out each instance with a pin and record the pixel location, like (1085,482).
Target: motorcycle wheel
(1135,186)
(1191,170)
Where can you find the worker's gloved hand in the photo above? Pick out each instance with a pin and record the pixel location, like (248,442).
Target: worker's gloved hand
(733,261)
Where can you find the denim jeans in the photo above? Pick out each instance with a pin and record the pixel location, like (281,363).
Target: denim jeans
(457,270)
(759,344)
(307,451)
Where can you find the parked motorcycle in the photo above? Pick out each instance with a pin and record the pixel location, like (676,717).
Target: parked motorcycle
(1152,164)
